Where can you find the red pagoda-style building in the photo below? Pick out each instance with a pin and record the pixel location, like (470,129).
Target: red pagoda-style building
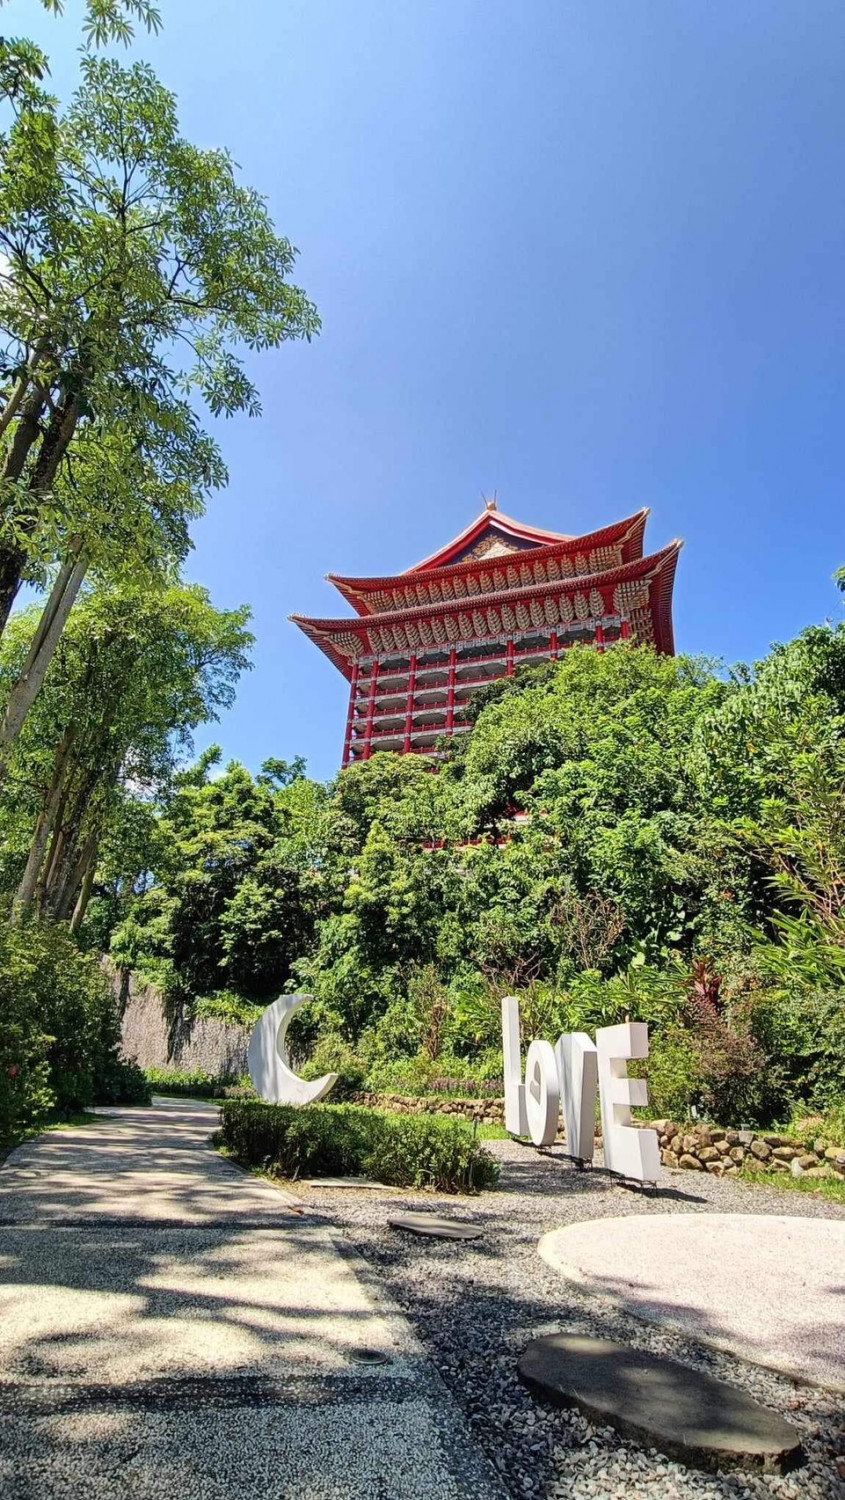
(500,594)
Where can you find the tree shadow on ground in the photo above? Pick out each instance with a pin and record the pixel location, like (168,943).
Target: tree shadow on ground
(147,1290)
(161,1261)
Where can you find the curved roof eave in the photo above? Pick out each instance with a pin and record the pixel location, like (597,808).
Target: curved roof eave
(659,569)
(630,531)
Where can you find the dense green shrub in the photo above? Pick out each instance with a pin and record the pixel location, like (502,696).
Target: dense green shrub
(123,1082)
(228,1007)
(25,1093)
(330,1139)
(834,1123)
(448,1077)
(60,1036)
(430,1151)
(673,1074)
(803,1031)
(334,1055)
(196,1084)
(343,1139)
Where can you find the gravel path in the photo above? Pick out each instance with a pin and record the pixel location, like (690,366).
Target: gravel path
(476,1304)
(170,1326)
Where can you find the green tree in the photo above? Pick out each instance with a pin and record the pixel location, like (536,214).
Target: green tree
(23,65)
(232,891)
(135,269)
(135,675)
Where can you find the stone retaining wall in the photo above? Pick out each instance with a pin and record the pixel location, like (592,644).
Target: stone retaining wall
(725,1153)
(693,1148)
(488,1111)
(181,1046)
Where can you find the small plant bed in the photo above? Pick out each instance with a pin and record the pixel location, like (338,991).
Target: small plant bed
(336,1140)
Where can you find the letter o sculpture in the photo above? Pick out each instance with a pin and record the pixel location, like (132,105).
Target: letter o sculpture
(542,1093)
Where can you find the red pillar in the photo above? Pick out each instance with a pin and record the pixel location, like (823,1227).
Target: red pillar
(450,692)
(510,658)
(353,694)
(409,704)
(371,708)
(553,645)
(626,630)
(600,637)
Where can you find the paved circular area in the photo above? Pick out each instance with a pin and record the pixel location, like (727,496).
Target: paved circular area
(771,1289)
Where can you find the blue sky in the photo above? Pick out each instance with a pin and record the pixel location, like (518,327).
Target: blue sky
(590,255)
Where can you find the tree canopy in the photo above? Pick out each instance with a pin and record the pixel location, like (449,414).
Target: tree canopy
(602,835)
(135,269)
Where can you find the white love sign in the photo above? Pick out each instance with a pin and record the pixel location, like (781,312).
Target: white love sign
(569,1076)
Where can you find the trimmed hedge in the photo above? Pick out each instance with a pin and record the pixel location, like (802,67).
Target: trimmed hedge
(422,1151)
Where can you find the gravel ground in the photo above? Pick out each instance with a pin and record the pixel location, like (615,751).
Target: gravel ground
(474,1306)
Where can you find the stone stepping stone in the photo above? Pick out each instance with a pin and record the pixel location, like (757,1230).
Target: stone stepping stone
(437,1227)
(686,1414)
(348,1182)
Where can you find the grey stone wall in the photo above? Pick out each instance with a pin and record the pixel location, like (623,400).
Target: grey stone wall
(185,1046)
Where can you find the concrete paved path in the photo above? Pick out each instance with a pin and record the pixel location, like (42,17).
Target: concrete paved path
(170,1326)
(769,1288)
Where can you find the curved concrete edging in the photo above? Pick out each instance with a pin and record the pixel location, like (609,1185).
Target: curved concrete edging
(768,1288)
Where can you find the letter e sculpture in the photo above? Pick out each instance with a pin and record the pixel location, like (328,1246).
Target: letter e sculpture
(628,1151)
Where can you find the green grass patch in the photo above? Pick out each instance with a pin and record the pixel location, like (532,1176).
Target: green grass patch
(341,1140)
(819,1187)
(208,1087)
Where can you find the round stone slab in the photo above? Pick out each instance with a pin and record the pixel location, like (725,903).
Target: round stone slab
(437,1227)
(720,1278)
(688,1415)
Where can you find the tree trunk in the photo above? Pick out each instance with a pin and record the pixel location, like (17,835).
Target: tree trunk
(48,872)
(43,829)
(10,410)
(12,407)
(54,445)
(84,894)
(63,856)
(53,618)
(12,554)
(12,561)
(26,435)
(74,877)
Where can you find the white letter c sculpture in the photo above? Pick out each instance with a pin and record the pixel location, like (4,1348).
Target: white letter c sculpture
(267,1058)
